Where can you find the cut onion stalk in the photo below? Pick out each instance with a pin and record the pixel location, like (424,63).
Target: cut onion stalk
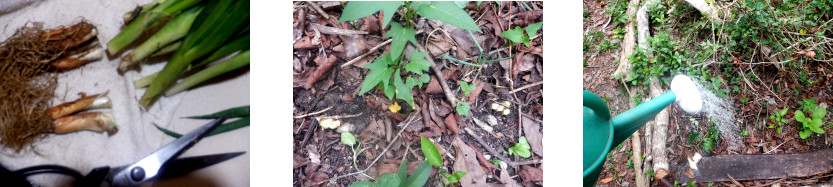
(70,37)
(92,121)
(84,103)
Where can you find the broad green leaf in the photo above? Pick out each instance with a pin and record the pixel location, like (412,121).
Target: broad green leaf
(403,171)
(413,81)
(708,145)
(456,176)
(532,30)
(525,40)
(514,35)
(783,112)
(362,184)
(461,4)
(400,36)
(463,108)
(403,90)
(389,179)
(521,148)
(359,9)
(815,128)
(418,63)
(819,113)
(348,139)
(379,72)
(449,13)
(805,133)
(431,152)
(389,91)
(425,78)
(799,116)
(420,176)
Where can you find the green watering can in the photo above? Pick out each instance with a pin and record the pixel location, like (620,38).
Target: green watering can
(602,132)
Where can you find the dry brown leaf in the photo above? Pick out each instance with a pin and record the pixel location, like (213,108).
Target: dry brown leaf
(533,135)
(474,93)
(467,162)
(298,161)
(371,25)
(439,45)
(526,63)
(307,79)
(389,166)
(531,174)
(433,87)
(505,179)
(304,43)
(451,123)
(530,17)
(606,180)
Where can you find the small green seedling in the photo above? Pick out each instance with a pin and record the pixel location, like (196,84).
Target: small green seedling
(355,145)
(432,154)
(517,35)
(463,108)
(778,118)
(809,125)
(521,148)
(466,88)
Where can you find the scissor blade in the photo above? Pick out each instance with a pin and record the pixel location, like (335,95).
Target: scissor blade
(148,168)
(182,166)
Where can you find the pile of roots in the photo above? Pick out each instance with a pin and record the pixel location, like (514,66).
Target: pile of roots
(28,80)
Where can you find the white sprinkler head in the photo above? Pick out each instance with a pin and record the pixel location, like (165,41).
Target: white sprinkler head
(687,95)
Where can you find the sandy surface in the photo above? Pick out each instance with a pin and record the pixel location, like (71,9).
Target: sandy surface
(137,137)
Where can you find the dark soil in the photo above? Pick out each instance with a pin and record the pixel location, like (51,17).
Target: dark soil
(319,154)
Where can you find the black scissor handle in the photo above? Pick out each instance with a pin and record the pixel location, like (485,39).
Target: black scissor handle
(94,178)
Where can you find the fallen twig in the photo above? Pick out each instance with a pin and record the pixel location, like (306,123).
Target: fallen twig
(498,155)
(448,94)
(527,86)
(318,9)
(733,180)
(314,113)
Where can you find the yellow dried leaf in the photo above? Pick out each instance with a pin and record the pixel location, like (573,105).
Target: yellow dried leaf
(394,107)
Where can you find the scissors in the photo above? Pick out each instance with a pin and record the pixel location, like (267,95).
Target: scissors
(158,165)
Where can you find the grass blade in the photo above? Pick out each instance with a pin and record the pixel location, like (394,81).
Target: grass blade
(241,111)
(240,123)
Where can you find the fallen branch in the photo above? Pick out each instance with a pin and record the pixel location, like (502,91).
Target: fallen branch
(497,154)
(627,46)
(337,31)
(318,9)
(448,94)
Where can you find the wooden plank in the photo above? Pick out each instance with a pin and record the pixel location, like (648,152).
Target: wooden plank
(756,167)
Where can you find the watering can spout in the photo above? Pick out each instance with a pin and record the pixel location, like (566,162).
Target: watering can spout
(683,91)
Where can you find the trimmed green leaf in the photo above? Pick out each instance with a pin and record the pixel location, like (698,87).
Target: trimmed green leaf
(403,90)
(521,148)
(418,63)
(167,132)
(400,36)
(348,139)
(514,35)
(431,152)
(799,116)
(463,108)
(362,184)
(449,13)
(359,9)
(379,72)
(531,30)
(420,176)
